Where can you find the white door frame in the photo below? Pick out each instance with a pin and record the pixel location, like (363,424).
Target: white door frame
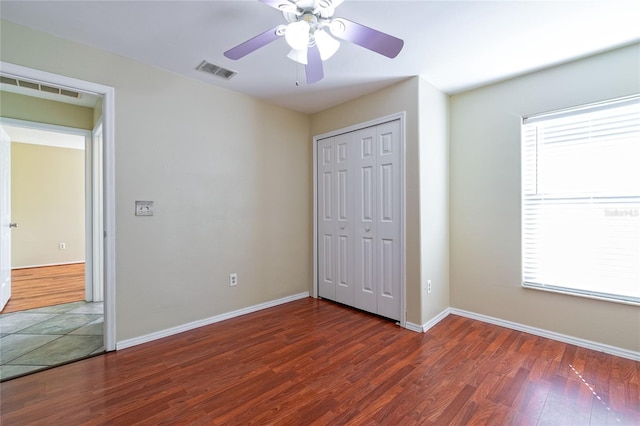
(108,155)
(403,285)
(5,218)
(95,287)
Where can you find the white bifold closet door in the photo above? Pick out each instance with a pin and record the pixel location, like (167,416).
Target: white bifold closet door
(359,223)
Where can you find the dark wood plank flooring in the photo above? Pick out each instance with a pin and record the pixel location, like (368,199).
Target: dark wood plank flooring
(316,362)
(45,286)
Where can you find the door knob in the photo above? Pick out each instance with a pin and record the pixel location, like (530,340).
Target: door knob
(341,226)
(367,229)
(13,225)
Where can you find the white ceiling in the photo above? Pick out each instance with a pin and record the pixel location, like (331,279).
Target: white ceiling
(455,45)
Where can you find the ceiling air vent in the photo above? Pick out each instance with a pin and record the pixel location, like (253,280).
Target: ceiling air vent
(38,86)
(29,85)
(49,89)
(69,93)
(216,70)
(8,80)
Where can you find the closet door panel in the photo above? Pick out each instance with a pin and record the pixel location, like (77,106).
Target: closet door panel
(388,221)
(344,218)
(326,217)
(365,201)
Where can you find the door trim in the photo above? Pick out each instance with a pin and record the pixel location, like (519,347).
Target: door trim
(401,116)
(108,155)
(97,221)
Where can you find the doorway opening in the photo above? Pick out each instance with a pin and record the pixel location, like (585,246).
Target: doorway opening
(51,207)
(83,259)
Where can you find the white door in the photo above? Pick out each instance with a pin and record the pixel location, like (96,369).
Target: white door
(387,217)
(359,219)
(326,225)
(335,218)
(343,224)
(365,200)
(5,218)
(377,219)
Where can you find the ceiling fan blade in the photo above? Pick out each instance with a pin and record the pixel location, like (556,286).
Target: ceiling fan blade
(255,43)
(314,65)
(366,37)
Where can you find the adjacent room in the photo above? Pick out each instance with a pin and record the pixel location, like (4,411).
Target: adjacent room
(52,316)
(363,212)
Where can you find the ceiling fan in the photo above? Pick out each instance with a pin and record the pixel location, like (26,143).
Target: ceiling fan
(311,32)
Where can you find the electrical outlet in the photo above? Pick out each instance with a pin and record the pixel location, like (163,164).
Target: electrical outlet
(62,246)
(233,280)
(428,286)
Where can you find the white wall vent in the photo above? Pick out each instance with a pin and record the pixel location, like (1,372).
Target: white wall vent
(215,70)
(38,86)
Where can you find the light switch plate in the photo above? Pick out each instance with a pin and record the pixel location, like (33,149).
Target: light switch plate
(144,208)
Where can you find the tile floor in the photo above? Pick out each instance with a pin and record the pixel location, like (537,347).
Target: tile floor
(40,338)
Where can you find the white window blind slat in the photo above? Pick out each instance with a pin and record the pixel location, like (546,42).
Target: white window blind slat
(581,200)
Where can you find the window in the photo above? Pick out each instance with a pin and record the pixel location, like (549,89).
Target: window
(581,200)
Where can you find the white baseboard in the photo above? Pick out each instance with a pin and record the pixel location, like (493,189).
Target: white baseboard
(426,326)
(75,262)
(413,327)
(442,315)
(211,320)
(601,347)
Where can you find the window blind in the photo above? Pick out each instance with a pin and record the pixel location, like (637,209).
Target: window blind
(581,200)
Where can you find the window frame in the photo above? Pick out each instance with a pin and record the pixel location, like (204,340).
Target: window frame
(553,115)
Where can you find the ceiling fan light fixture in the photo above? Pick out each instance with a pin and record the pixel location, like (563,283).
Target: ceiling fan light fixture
(288,8)
(300,56)
(337,27)
(312,33)
(327,45)
(297,35)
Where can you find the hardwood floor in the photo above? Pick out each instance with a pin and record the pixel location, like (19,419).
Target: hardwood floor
(315,362)
(45,286)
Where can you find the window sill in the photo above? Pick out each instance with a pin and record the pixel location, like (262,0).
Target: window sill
(569,292)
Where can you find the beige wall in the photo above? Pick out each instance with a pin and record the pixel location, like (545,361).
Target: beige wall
(230,177)
(28,108)
(485,198)
(418,99)
(434,199)
(47,201)
(231,180)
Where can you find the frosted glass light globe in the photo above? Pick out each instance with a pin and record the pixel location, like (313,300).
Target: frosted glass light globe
(297,35)
(327,45)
